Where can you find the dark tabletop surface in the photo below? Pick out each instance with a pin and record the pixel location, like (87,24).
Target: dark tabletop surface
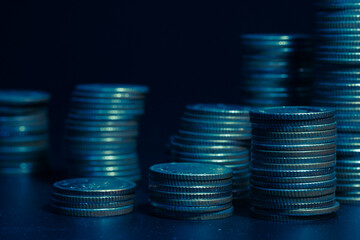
(24,215)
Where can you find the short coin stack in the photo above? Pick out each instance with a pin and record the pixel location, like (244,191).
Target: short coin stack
(23,131)
(338,86)
(102,130)
(277,69)
(219,134)
(190,191)
(93,197)
(293,163)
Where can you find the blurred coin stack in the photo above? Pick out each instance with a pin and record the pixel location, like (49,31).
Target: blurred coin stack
(102,130)
(190,191)
(219,134)
(293,163)
(93,197)
(23,131)
(338,86)
(277,69)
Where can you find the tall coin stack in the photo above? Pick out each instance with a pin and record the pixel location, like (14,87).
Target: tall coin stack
(219,134)
(293,163)
(338,86)
(93,197)
(190,191)
(23,131)
(277,69)
(102,130)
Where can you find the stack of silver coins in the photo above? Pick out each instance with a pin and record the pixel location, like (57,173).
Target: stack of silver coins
(93,197)
(190,191)
(23,131)
(102,130)
(277,69)
(338,86)
(219,134)
(293,163)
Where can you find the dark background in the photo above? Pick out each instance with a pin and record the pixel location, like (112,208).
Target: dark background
(185,51)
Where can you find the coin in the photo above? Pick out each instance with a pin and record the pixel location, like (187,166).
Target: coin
(266,205)
(293,147)
(190,209)
(303,211)
(209,149)
(183,183)
(293,193)
(133,175)
(292,113)
(114,95)
(195,217)
(309,185)
(106,212)
(196,202)
(190,171)
(190,189)
(218,109)
(23,97)
(283,166)
(113,88)
(91,199)
(189,196)
(291,173)
(294,179)
(94,186)
(226,162)
(92,205)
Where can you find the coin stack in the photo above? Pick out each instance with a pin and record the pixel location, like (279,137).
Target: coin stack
(93,197)
(23,131)
(190,191)
(293,163)
(102,130)
(219,134)
(277,69)
(338,86)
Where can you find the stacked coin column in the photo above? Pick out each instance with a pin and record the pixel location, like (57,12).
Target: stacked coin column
(338,86)
(23,131)
(219,134)
(277,70)
(190,191)
(293,163)
(93,197)
(102,130)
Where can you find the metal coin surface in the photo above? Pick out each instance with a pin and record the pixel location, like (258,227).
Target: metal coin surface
(190,171)
(94,187)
